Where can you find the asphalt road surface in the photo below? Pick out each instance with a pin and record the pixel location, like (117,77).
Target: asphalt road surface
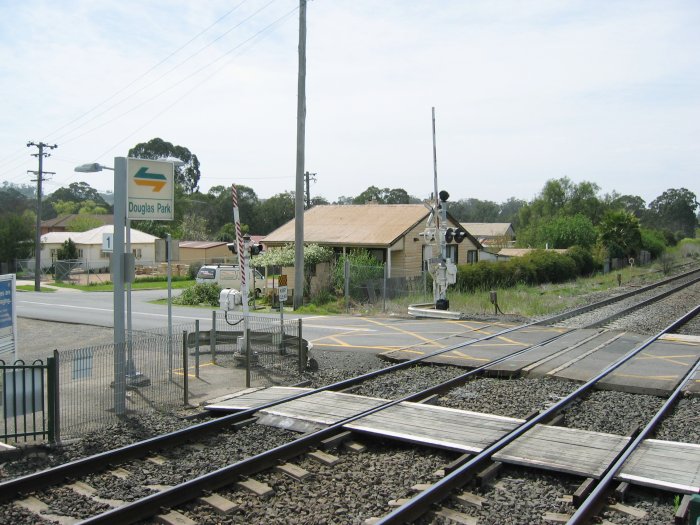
(68,311)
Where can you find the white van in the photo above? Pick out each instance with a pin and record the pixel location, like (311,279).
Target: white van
(230,277)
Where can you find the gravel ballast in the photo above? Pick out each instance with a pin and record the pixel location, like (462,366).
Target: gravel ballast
(361,485)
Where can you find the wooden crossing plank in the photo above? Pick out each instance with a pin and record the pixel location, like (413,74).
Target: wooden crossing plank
(666,465)
(573,451)
(442,427)
(253,397)
(324,408)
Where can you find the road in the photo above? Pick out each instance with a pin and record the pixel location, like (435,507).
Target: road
(343,333)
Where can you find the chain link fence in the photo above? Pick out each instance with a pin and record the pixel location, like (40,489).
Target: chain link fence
(85,376)
(277,352)
(369,285)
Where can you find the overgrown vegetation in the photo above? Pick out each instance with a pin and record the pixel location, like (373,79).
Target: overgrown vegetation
(537,267)
(199,293)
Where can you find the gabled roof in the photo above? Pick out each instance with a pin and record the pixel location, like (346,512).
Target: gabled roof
(368,225)
(65,220)
(94,236)
(487,229)
(201,245)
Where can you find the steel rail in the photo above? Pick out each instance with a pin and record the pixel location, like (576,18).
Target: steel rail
(644,303)
(180,494)
(38,480)
(422,502)
(617,298)
(589,506)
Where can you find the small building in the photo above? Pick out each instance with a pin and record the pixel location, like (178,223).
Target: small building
(89,245)
(390,232)
(62,223)
(205,252)
(499,234)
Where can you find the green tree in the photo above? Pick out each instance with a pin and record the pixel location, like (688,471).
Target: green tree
(564,232)
(620,233)
(12,200)
(68,251)
(631,204)
(90,207)
(274,212)
(76,192)
(186,176)
(674,210)
(382,196)
(83,223)
(194,228)
(16,236)
(65,207)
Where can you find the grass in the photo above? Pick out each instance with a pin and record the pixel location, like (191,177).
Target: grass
(30,288)
(526,301)
(137,285)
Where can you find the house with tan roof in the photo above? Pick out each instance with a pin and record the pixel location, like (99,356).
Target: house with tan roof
(390,232)
(491,233)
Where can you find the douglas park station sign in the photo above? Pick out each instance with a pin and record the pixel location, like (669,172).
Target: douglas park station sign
(150,190)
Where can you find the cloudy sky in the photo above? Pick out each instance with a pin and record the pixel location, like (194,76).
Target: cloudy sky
(524,91)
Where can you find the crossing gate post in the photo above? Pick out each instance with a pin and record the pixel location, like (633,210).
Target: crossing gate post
(53,398)
(302,350)
(212,337)
(185,369)
(196,348)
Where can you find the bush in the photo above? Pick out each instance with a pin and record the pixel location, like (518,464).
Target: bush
(204,293)
(535,268)
(193,270)
(583,259)
(653,241)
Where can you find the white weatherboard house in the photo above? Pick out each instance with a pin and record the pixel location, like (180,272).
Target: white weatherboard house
(89,246)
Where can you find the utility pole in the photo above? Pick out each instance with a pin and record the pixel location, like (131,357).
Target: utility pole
(37,237)
(301,133)
(311,176)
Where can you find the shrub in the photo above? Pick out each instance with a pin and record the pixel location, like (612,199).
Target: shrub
(583,259)
(535,268)
(654,242)
(204,293)
(193,270)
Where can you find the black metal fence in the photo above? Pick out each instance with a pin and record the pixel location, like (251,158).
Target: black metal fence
(75,392)
(85,379)
(28,400)
(274,352)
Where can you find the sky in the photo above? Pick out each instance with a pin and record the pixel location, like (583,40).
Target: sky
(524,92)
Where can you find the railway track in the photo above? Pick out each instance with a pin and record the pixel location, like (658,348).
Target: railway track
(148,456)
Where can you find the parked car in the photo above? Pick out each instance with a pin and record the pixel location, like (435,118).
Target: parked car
(229,276)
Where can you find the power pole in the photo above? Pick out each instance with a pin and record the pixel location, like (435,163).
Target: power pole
(37,237)
(308,176)
(301,133)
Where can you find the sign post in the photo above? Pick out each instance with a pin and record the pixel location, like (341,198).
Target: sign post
(282,296)
(8,317)
(150,190)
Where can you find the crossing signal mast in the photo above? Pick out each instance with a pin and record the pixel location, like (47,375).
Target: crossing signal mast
(438,235)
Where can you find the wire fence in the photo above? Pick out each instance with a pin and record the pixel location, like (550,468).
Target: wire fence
(154,380)
(370,285)
(274,354)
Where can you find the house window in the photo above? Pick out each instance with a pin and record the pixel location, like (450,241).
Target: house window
(453,253)
(136,252)
(80,253)
(472,256)
(54,253)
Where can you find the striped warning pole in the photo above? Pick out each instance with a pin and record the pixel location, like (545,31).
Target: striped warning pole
(242,266)
(239,238)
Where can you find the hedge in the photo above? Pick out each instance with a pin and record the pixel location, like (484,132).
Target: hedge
(537,267)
